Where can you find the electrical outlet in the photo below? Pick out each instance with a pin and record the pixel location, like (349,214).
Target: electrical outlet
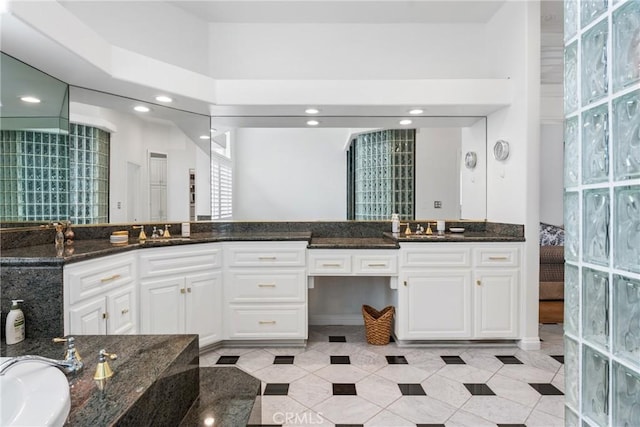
(437,204)
(119,205)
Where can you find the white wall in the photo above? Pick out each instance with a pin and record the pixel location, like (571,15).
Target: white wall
(473,182)
(347,51)
(551,173)
(282,174)
(438,173)
(131,140)
(513,185)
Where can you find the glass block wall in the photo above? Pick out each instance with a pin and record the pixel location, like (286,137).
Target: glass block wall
(89,174)
(384,174)
(47,176)
(602,212)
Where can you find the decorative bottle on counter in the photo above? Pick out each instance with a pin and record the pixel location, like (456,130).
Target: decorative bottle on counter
(69,234)
(395,223)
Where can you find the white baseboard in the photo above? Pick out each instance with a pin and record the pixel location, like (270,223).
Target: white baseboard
(336,319)
(532,343)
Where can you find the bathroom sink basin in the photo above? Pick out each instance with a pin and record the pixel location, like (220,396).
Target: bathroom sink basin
(34,394)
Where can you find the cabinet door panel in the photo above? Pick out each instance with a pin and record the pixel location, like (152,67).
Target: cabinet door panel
(162,306)
(203,306)
(88,318)
(496,303)
(435,305)
(122,312)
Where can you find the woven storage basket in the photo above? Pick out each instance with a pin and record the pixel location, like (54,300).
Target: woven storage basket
(378,324)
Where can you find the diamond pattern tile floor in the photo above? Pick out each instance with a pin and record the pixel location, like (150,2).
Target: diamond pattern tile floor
(339,379)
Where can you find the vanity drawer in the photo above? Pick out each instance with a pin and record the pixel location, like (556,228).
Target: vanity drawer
(322,262)
(254,254)
(372,264)
(89,278)
(499,256)
(270,286)
(435,255)
(179,259)
(285,321)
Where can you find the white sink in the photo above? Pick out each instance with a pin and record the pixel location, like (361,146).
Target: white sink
(33,394)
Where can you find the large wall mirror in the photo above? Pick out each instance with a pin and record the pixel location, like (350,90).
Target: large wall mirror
(154,165)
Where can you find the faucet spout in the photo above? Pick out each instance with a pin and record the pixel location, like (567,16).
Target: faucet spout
(67,366)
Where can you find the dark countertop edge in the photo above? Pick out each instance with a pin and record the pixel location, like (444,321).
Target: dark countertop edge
(457,237)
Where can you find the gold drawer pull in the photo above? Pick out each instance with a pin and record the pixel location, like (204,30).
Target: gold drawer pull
(125,311)
(267,322)
(331,265)
(478,282)
(380,264)
(110,278)
(267,258)
(266,285)
(498,258)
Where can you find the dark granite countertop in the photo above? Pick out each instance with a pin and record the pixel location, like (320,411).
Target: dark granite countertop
(142,361)
(156,381)
(353,243)
(467,236)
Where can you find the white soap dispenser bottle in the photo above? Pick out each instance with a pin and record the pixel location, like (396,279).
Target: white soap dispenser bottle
(15,323)
(395,223)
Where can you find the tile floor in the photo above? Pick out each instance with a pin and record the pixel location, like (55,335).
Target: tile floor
(339,379)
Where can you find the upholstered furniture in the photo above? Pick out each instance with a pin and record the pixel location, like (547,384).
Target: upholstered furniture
(551,297)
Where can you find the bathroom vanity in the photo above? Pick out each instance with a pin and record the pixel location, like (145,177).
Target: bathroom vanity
(251,282)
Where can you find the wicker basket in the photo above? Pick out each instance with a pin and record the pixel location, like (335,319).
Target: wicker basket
(378,324)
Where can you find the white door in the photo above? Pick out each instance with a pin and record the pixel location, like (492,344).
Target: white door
(122,312)
(204,306)
(162,304)
(496,303)
(88,318)
(435,305)
(158,186)
(133,192)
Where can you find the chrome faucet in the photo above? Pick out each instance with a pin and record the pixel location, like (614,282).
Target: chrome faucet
(70,364)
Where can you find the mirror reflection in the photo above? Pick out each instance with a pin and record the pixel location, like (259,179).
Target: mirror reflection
(93,157)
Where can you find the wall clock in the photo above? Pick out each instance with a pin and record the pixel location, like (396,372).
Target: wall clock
(470,159)
(501,150)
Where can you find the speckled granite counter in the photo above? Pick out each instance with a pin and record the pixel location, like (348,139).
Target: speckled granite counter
(353,243)
(455,237)
(157,382)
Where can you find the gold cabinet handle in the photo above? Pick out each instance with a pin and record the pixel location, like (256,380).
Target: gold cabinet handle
(379,264)
(105,315)
(266,285)
(405,283)
(267,322)
(183,291)
(327,264)
(189,290)
(478,282)
(110,278)
(267,258)
(498,258)
(125,311)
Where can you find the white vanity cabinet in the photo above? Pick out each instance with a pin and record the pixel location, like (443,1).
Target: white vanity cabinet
(265,291)
(181,291)
(100,296)
(458,291)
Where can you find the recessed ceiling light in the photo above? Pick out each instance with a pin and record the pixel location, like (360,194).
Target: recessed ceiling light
(30,99)
(405,122)
(312,111)
(313,123)
(141,109)
(163,98)
(205,137)
(416,111)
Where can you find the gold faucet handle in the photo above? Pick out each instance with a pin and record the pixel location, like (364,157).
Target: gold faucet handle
(143,235)
(72,351)
(166,231)
(103,370)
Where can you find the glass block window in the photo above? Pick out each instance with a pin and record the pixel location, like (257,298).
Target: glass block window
(34,175)
(89,174)
(46,176)
(382,166)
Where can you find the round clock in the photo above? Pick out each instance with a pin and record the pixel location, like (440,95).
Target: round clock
(470,159)
(501,150)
